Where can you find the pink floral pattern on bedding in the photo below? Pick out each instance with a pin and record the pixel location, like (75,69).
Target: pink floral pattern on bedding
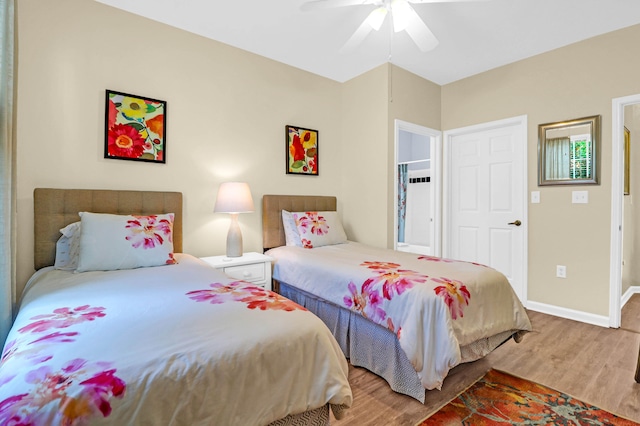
(390,281)
(394,280)
(313,222)
(367,302)
(63,318)
(79,389)
(239,291)
(455,295)
(148,231)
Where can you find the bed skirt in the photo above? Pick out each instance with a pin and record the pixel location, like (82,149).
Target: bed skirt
(317,417)
(365,343)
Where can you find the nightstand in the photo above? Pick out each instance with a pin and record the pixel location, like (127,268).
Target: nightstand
(251,267)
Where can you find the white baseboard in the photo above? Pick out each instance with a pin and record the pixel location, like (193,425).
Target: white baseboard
(630,292)
(600,320)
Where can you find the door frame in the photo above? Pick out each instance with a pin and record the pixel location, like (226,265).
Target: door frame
(436,181)
(617,207)
(521,123)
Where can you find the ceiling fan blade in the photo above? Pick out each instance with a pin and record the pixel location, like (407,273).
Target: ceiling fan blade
(328,4)
(419,32)
(357,37)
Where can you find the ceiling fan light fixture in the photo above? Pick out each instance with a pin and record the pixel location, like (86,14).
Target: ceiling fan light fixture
(376,17)
(401,12)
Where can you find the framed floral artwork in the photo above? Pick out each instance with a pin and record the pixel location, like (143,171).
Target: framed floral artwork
(135,128)
(627,160)
(302,151)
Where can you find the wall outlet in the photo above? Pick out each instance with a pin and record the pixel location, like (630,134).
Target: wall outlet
(561,271)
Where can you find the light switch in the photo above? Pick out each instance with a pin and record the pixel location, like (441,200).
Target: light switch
(535,197)
(580,197)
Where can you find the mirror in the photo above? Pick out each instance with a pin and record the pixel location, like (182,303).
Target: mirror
(568,152)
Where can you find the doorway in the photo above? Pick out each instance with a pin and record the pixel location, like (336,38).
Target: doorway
(417,189)
(625,115)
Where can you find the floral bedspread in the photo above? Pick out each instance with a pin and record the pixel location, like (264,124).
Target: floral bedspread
(179,344)
(435,306)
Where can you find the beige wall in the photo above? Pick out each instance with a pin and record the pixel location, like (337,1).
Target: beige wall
(576,81)
(226,113)
(365,149)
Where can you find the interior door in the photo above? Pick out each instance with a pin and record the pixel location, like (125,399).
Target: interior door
(486,198)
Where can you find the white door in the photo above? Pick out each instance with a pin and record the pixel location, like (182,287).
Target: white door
(485,197)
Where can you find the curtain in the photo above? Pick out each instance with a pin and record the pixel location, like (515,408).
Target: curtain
(557,158)
(403,180)
(7,169)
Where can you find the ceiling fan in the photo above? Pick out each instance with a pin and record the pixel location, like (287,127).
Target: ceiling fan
(403,15)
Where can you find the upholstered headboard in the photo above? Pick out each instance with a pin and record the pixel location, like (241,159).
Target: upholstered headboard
(272,206)
(56,208)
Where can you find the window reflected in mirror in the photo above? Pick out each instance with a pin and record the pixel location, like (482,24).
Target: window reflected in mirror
(568,152)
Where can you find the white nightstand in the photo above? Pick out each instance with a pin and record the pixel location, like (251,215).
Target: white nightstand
(252,267)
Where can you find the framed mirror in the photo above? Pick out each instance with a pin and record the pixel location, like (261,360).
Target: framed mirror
(569,151)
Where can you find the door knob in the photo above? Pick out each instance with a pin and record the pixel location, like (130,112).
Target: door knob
(516,223)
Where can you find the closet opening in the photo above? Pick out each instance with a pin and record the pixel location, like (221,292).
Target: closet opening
(416,188)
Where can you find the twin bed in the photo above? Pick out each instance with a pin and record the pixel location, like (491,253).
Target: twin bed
(408,318)
(178,343)
(171,340)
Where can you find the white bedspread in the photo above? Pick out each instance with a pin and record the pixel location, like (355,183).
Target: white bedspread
(179,344)
(435,306)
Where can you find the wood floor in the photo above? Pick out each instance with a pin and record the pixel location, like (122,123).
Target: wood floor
(592,363)
(631,314)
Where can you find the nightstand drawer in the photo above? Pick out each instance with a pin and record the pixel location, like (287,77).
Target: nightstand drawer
(246,272)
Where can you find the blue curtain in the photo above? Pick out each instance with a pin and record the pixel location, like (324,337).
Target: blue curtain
(403,180)
(7,171)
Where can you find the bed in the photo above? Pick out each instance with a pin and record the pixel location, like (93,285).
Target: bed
(177,344)
(408,318)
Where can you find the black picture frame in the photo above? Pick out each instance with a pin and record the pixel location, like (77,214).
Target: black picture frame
(135,128)
(301,151)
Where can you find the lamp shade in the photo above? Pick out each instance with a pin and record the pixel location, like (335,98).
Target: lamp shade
(233,197)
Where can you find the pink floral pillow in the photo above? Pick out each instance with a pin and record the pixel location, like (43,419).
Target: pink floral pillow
(317,229)
(109,242)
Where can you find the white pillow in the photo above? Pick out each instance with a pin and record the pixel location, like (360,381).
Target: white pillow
(291,235)
(68,248)
(317,229)
(109,242)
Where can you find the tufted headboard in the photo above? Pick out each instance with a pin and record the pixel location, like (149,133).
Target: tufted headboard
(56,208)
(272,206)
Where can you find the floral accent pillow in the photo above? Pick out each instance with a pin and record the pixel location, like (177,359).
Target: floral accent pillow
(317,229)
(110,242)
(68,248)
(291,235)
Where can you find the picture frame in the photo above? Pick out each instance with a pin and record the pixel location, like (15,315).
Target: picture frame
(627,160)
(135,128)
(569,152)
(301,151)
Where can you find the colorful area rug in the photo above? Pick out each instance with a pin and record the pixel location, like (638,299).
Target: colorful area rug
(502,399)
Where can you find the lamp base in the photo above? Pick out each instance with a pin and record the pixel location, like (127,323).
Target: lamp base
(234,238)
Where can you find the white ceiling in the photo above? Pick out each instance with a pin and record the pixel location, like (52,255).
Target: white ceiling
(474,36)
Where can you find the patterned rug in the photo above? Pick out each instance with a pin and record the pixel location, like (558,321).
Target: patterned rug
(502,399)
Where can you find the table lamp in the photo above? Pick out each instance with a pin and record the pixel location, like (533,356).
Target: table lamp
(234,198)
